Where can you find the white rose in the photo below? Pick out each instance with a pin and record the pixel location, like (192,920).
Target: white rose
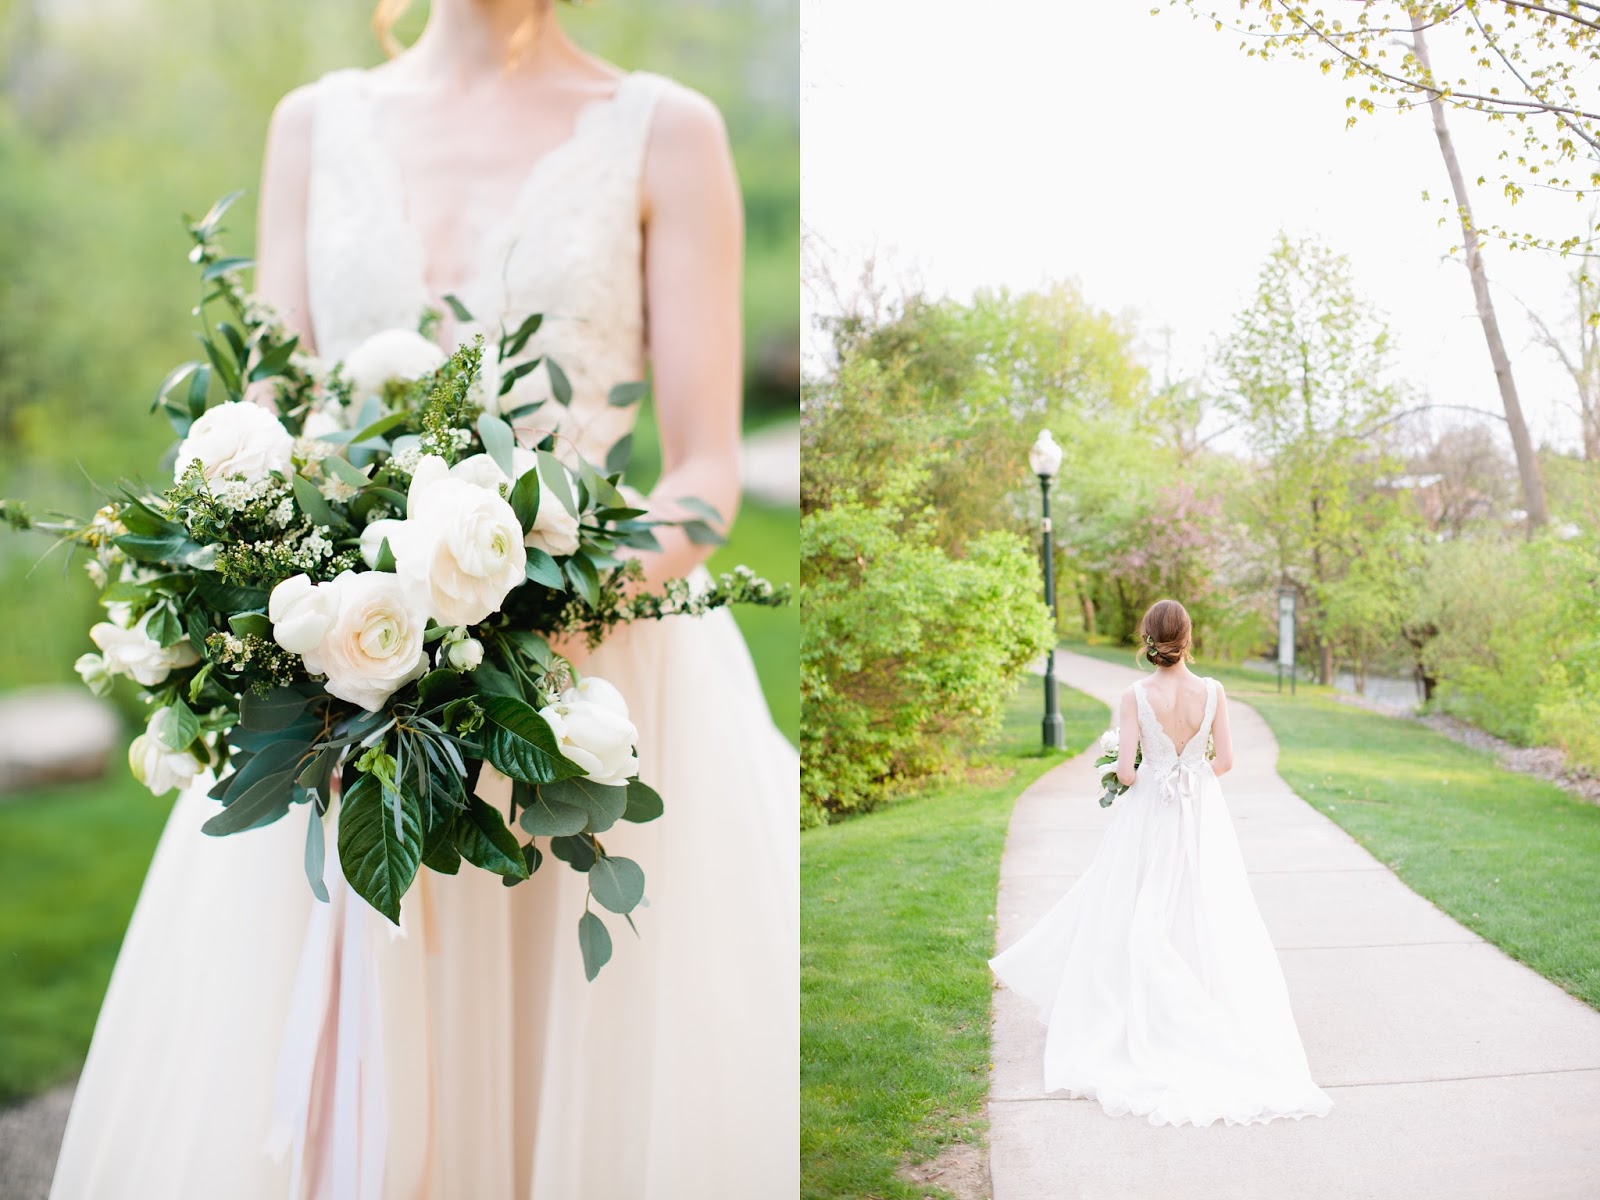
(460,542)
(160,769)
(372,539)
(236,438)
(135,653)
(374,647)
(1109,742)
(301,613)
(591,725)
(393,355)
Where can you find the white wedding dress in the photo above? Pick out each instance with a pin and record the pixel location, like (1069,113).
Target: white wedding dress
(1154,973)
(467,1057)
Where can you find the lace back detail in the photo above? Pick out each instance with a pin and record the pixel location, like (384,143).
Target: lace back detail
(570,247)
(1159,751)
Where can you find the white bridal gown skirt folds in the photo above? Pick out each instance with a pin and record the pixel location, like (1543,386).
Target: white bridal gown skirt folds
(1157,979)
(498,1070)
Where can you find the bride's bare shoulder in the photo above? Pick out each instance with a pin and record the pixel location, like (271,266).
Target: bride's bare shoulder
(686,129)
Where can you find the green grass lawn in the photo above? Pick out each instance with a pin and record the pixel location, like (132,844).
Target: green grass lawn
(73,859)
(1511,857)
(897,925)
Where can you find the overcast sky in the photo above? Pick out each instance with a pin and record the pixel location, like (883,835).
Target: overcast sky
(1144,156)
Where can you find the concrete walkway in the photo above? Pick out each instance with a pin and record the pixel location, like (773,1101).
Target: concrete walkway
(1455,1072)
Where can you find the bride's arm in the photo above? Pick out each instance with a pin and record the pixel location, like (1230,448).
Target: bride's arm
(1127,737)
(693,265)
(281,215)
(1222,735)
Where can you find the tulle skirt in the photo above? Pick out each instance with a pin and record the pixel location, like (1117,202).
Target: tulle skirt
(1157,979)
(492,1068)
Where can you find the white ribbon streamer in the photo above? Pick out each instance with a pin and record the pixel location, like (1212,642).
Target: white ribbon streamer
(335,985)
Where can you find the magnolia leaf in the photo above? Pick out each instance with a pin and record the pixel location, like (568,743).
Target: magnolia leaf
(520,743)
(525,500)
(379,860)
(484,841)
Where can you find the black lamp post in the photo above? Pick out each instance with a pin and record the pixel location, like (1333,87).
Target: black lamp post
(1044,456)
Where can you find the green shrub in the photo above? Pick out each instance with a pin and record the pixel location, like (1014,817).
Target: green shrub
(907,653)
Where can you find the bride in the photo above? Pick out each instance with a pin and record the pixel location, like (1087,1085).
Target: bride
(466,1055)
(1154,973)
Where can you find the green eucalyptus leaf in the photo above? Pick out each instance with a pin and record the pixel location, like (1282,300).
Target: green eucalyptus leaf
(617,883)
(498,442)
(560,385)
(311,503)
(347,474)
(621,452)
(644,803)
(624,394)
(549,818)
(316,853)
(701,534)
(223,265)
(595,942)
(278,709)
(577,852)
(508,380)
(456,307)
(553,474)
(513,345)
(604,804)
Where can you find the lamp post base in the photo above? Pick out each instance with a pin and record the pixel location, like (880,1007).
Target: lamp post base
(1055,732)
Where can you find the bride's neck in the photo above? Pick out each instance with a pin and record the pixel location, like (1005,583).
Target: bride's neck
(464,40)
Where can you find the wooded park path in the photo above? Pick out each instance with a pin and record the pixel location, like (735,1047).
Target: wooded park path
(1455,1071)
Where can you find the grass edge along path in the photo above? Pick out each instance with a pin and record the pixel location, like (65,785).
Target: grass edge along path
(897,924)
(1510,856)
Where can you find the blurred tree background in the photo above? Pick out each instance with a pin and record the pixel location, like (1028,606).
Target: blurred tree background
(1296,459)
(119,116)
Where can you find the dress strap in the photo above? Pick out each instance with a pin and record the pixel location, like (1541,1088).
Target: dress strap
(635,108)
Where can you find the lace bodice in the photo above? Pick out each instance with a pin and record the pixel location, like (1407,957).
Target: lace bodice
(1160,755)
(570,248)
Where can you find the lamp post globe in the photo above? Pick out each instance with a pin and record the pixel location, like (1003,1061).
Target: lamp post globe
(1044,459)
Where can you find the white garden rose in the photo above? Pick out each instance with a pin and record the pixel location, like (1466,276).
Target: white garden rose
(236,438)
(133,652)
(591,725)
(1109,742)
(157,766)
(374,646)
(460,542)
(392,355)
(91,668)
(301,613)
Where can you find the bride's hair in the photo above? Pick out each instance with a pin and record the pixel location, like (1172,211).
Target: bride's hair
(388,12)
(1166,633)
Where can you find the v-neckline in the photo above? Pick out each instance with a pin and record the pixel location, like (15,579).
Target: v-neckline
(405,218)
(1205,712)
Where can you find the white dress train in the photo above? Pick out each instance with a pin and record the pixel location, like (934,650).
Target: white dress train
(477,1059)
(1154,973)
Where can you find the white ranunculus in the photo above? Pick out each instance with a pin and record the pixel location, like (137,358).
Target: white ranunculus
(374,647)
(156,766)
(301,613)
(463,655)
(392,355)
(555,530)
(236,438)
(373,535)
(591,725)
(133,652)
(461,543)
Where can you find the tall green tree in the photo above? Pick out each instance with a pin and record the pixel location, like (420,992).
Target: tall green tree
(1307,382)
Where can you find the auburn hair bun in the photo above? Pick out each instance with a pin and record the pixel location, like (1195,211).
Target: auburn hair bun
(1167,633)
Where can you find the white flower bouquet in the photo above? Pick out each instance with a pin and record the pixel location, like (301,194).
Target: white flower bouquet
(1106,766)
(352,595)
